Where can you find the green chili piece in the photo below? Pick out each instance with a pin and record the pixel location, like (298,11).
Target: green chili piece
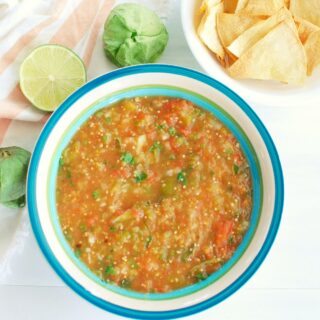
(106,138)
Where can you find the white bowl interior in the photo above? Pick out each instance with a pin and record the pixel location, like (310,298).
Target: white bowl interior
(257,91)
(42,179)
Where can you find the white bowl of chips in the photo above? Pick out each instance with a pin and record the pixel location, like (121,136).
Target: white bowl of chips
(262,50)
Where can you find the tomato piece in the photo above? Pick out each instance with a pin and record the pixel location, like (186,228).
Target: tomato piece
(208,252)
(171,119)
(173,145)
(185,131)
(138,214)
(152,176)
(223,231)
(238,159)
(122,172)
(140,115)
(91,221)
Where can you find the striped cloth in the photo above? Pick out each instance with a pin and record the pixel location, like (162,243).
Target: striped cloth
(24,25)
(73,23)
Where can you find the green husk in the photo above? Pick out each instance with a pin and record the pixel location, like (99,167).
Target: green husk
(18,203)
(133,34)
(13,170)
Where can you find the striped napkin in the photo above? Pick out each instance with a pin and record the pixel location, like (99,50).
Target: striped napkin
(73,23)
(24,25)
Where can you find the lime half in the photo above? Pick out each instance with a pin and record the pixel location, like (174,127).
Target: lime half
(49,74)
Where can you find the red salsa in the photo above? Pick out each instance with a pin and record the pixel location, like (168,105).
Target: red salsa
(153,194)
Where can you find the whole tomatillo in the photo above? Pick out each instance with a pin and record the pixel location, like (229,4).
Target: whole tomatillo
(13,170)
(133,34)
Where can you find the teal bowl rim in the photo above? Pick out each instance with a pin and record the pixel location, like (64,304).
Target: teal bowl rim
(34,216)
(218,112)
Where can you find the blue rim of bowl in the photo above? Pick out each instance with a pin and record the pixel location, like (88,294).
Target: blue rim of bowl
(200,101)
(243,278)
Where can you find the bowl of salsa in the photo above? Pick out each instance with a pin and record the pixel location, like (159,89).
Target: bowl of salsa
(155,191)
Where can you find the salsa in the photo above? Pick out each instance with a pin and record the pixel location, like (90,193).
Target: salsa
(153,194)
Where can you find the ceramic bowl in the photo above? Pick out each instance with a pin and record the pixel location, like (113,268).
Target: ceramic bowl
(263,92)
(148,80)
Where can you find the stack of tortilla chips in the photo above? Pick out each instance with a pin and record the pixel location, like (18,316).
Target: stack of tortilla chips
(263,39)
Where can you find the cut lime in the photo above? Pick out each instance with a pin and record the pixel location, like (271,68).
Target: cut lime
(49,74)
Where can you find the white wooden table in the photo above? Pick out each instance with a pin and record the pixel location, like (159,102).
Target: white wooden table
(287,285)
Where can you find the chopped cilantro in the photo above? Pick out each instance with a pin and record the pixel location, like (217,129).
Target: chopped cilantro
(109,270)
(231,240)
(200,276)
(172,131)
(127,158)
(181,177)
(235,169)
(108,120)
(140,176)
(160,126)
(112,228)
(148,241)
(61,162)
(96,194)
(156,146)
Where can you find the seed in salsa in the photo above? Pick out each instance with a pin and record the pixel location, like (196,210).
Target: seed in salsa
(153,194)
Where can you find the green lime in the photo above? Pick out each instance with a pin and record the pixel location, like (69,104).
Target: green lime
(49,74)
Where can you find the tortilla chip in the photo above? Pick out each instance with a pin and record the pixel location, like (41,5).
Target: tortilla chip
(207,30)
(230,6)
(287,3)
(278,56)
(208,3)
(312,47)
(262,7)
(229,58)
(230,26)
(240,5)
(306,9)
(305,28)
(252,35)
